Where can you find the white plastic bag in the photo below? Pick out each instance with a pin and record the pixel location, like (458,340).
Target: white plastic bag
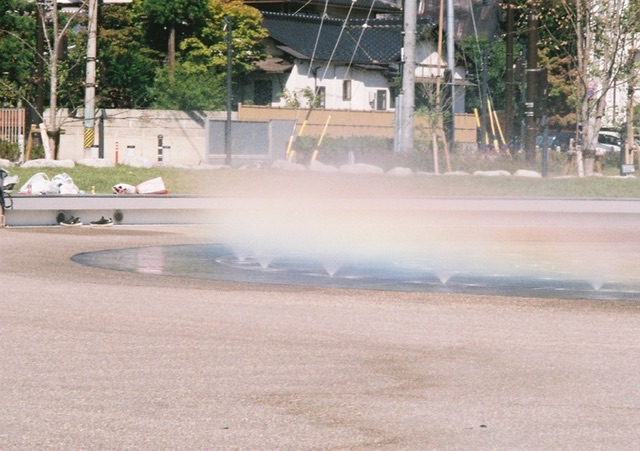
(37,184)
(10,182)
(63,184)
(153,186)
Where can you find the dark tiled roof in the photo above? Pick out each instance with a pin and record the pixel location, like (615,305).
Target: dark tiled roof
(375,5)
(381,41)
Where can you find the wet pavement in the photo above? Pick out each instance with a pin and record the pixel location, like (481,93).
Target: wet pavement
(220,262)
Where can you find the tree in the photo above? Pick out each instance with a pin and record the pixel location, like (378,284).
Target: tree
(604,38)
(174,15)
(188,89)
(126,64)
(556,53)
(584,45)
(54,39)
(473,51)
(17,27)
(201,67)
(209,47)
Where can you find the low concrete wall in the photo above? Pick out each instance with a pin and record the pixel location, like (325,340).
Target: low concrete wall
(573,214)
(135,133)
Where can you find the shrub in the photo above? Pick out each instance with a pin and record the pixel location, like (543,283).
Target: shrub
(9,151)
(337,150)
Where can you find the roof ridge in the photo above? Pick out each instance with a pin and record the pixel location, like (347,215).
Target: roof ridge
(355,20)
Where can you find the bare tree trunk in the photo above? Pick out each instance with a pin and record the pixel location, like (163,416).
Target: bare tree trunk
(172,50)
(53,44)
(53,93)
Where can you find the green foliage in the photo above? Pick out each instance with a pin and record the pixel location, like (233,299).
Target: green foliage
(209,47)
(72,69)
(562,93)
(184,17)
(336,150)
(557,53)
(495,71)
(173,12)
(132,49)
(9,151)
(292,98)
(17,27)
(189,88)
(127,67)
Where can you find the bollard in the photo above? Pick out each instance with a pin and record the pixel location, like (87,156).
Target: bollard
(160,148)
(3,174)
(131,151)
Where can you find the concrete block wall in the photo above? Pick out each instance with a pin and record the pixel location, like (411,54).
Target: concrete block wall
(135,132)
(183,132)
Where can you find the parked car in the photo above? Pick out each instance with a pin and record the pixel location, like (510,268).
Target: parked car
(609,141)
(555,141)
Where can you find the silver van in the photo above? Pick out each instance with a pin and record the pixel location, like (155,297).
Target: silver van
(609,141)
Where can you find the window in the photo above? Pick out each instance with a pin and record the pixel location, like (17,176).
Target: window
(262,92)
(346,90)
(381,99)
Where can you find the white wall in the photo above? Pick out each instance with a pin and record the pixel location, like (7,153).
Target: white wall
(427,67)
(140,128)
(616,107)
(365,84)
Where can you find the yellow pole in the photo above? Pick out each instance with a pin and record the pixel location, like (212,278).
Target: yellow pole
(291,153)
(304,124)
(493,128)
(324,130)
(495,113)
(289,145)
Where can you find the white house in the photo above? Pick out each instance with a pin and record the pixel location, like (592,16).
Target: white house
(352,64)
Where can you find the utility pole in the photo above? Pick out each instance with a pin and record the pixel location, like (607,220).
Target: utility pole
(510,80)
(36,111)
(484,96)
(90,81)
(532,76)
(626,161)
(227,125)
(408,76)
(451,62)
(90,84)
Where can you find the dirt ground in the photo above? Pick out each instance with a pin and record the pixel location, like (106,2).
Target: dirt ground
(94,359)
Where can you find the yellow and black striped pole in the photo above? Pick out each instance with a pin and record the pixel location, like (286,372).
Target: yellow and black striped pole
(89,137)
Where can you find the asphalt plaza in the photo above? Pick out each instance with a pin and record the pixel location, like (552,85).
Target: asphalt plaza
(97,358)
